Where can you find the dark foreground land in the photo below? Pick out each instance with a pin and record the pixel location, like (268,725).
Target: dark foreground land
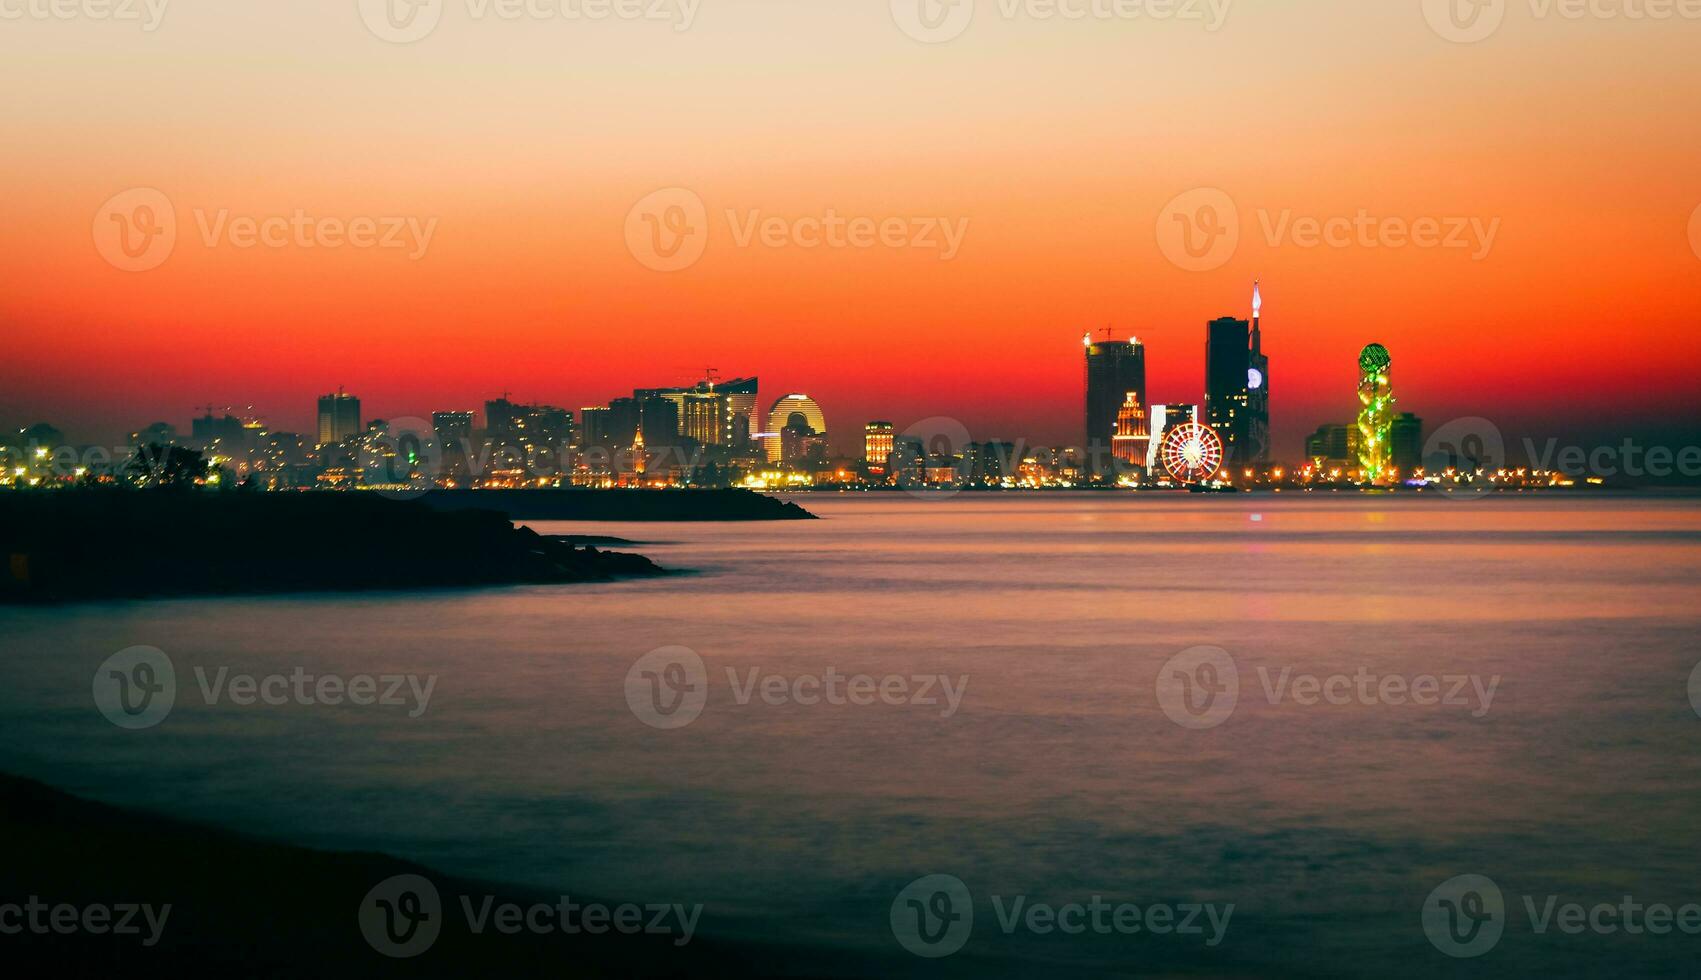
(243,907)
(110,544)
(622,505)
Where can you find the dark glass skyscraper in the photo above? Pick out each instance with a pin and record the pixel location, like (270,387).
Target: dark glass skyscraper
(1115,369)
(339,417)
(1227,359)
(1257,388)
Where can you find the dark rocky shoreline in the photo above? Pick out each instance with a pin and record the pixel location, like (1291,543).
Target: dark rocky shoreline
(247,907)
(622,505)
(121,544)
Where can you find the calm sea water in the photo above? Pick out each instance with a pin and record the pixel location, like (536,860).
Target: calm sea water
(1060,776)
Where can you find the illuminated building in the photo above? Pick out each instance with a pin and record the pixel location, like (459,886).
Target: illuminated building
(1227,363)
(1132,442)
(210,429)
(703,417)
(1115,369)
(877,442)
(1406,443)
(991,462)
(452,428)
(157,434)
(501,419)
(909,460)
(787,410)
(741,421)
(1333,447)
(595,420)
(1166,418)
(339,418)
(800,444)
(1257,387)
(724,416)
(1376,417)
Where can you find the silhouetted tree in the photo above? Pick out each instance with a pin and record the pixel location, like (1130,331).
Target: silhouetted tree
(167,466)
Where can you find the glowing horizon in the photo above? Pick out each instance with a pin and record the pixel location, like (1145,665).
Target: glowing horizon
(1526,201)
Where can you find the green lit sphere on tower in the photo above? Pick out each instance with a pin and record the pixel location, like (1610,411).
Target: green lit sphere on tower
(1375,359)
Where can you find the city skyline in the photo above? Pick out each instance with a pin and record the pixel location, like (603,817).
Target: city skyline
(529,283)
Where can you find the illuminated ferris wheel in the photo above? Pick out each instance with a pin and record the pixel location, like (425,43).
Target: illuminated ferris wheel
(1192,453)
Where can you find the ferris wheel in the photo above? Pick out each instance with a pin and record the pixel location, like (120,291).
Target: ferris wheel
(1192,453)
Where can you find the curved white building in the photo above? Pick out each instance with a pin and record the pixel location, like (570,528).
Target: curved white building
(784,412)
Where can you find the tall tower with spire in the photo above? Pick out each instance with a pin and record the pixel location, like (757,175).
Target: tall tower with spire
(1257,386)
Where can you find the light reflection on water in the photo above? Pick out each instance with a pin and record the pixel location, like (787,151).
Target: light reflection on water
(1059,778)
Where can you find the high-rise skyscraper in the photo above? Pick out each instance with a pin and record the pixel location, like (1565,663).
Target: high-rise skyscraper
(501,419)
(339,417)
(452,428)
(1132,442)
(1115,369)
(1406,444)
(1227,364)
(1376,418)
(658,422)
(877,443)
(597,421)
(741,421)
(703,417)
(1257,387)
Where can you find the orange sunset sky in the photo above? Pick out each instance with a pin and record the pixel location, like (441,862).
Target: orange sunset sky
(1061,142)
